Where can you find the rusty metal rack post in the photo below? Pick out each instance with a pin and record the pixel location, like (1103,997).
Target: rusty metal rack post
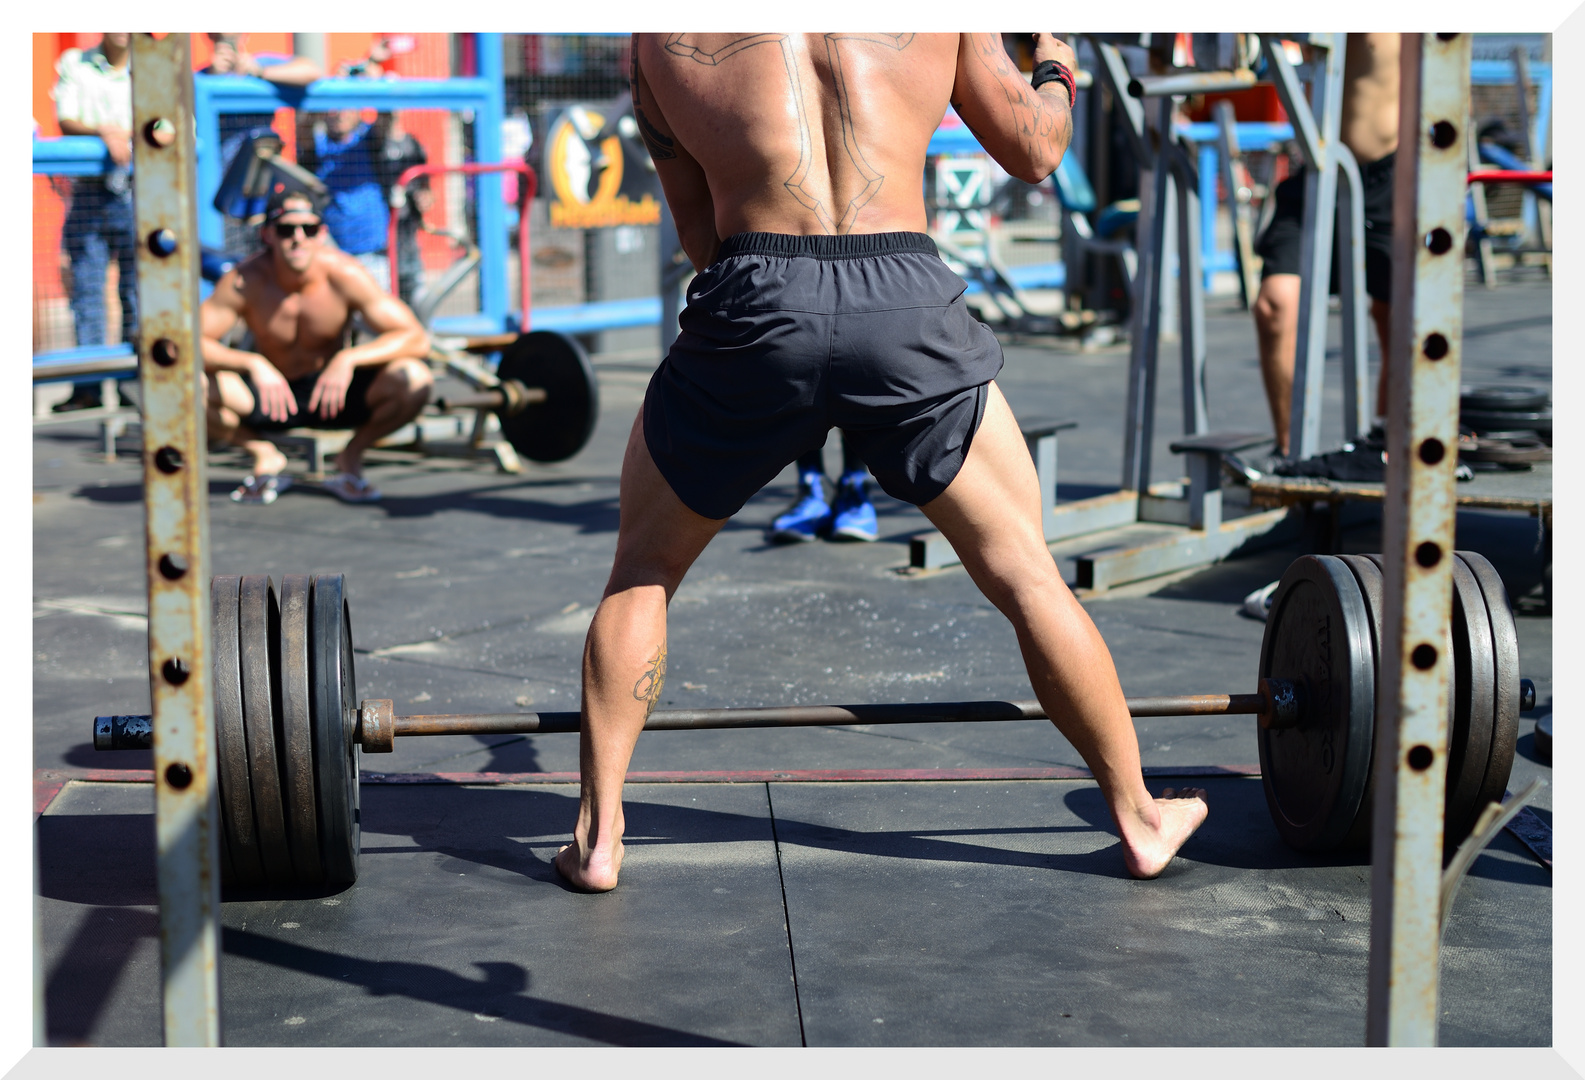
(175,494)
(1422,437)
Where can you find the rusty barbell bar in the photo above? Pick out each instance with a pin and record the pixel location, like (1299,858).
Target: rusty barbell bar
(1278,704)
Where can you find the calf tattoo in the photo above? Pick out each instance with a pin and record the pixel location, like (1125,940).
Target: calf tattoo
(795,183)
(648,687)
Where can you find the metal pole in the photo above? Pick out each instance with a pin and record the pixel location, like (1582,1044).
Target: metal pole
(1351,291)
(1145,333)
(176,493)
(1317,127)
(1422,434)
(1191,293)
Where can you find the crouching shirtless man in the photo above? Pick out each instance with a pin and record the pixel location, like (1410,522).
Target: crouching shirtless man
(793,164)
(298,297)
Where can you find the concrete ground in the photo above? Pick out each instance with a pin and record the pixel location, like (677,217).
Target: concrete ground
(778,911)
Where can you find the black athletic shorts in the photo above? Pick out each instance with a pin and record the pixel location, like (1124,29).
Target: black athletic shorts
(1278,246)
(785,337)
(354,411)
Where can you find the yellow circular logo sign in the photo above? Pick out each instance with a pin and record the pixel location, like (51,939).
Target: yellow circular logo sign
(586,175)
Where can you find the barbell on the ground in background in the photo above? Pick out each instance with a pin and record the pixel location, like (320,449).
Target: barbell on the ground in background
(288,732)
(546,396)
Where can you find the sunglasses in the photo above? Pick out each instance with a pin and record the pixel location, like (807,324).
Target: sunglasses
(286,232)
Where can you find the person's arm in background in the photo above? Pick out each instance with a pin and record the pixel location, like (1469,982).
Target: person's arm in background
(287,71)
(69,112)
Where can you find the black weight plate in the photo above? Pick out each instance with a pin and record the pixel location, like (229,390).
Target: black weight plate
(1505,651)
(258,620)
(1502,398)
(1481,422)
(1473,690)
(558,427)
(1318,633)
(332,718)
(297,739)
(231,741)
(1367,575)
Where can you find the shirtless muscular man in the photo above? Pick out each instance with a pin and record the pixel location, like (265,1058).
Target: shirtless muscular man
(298,297)
(793,165)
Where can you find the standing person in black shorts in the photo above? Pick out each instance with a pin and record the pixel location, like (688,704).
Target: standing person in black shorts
(1369,129)
(793,165)
(298,298)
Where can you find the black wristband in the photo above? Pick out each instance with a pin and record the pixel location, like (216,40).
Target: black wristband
(1055,71)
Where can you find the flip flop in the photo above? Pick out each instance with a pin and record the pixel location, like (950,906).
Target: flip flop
(260,490)
(351,489)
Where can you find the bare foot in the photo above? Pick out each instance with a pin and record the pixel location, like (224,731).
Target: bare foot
(1148,846)
(595,872)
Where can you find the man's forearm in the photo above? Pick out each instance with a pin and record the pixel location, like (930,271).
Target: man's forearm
(391,345)
(222,357)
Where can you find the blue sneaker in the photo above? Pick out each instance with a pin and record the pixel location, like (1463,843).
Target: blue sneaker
(807,516)
(852,514)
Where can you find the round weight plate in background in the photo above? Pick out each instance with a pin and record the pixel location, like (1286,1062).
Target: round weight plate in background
(258,622)
(1503,398)
(297,737)
(1483,421)
(231,741)
(1473,692)
(335,753)
(1367,574)
(1543,738)
(1318,633)
(558,427)
(1505,650)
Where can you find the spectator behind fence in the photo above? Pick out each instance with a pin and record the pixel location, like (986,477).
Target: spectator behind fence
(359,161)
(93,96)
(230,56)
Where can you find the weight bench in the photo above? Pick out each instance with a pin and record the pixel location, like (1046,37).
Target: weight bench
(1201,507)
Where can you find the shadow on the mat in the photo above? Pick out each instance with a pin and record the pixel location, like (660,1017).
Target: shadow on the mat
(500,993)
(88,969)
(479,826)
(97,859)
(84,756)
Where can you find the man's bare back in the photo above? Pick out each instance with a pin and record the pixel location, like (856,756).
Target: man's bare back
(810,134)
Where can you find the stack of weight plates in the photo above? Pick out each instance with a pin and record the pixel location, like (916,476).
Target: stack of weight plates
(1504,427)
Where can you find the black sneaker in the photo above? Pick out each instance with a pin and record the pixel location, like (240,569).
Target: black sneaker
(83,397)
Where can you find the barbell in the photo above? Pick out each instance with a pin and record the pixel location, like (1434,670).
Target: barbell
(547,398)
(289,733)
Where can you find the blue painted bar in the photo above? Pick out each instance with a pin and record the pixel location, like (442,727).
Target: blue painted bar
(70,155)
(43,361)
(487,118)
